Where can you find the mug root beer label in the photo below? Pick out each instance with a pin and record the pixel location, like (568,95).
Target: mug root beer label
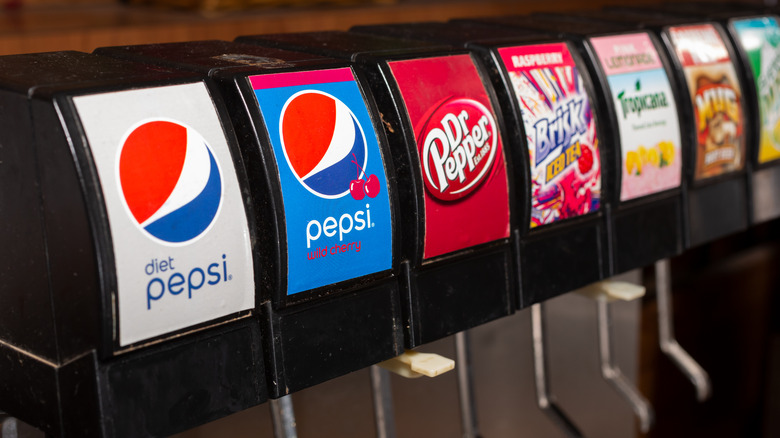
(715,94)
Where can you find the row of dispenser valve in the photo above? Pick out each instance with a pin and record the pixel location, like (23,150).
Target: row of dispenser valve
(413,364)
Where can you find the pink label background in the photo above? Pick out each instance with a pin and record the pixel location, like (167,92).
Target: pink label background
(483,215)
(291,79)
(535,49)
(605,48)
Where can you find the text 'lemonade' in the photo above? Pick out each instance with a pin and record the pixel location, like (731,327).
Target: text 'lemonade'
(646,113)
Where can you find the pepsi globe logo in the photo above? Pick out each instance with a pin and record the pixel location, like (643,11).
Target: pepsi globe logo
(325,146)
(170,181)
(459,146)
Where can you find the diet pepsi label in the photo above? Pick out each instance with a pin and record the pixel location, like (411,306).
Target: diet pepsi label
(178,225)
(334,187)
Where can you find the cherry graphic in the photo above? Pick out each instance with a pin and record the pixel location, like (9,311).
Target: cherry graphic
(372,186)
(359,188)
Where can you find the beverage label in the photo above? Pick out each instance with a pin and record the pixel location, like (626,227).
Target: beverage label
(560,128)
(332,173)
(646,114)
(716,96)
(760,38)
(460,150)
(181,242)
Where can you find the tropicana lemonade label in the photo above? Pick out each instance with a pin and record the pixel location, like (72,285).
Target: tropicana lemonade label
(646,114)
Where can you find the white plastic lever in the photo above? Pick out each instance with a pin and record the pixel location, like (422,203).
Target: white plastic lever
(613,290)
(413,364)
(603,293)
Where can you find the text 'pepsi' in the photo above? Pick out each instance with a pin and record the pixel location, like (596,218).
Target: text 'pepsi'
(361,220)
(177,283)
(332,175)
(174,207)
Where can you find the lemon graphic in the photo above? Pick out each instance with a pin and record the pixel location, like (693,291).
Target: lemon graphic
(667,152)
(633,163)
(653,157)
(642,154)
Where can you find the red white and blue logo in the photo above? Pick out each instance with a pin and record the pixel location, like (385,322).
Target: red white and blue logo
(328,157)
(169,180)
(331,173)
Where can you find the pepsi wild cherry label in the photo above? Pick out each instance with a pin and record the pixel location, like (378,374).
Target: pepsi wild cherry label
(460,149)
(179,228)
(646,114)
(716,97)
(332,175)
(560,127)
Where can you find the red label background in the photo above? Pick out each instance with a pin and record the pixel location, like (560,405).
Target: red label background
(483,215)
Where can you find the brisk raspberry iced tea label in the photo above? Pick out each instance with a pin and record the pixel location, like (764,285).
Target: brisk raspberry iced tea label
(460,150)
(716,96)
(760,38)
(179,230)
(646,114)
(334,187)
(563,144)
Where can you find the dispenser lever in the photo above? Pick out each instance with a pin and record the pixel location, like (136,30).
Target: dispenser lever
(668,343)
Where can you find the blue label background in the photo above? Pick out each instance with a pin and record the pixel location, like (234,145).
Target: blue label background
(301,206)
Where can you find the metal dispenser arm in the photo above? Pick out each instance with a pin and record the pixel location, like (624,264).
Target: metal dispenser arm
(283,418)
(468,411)
(544,399)
(384,415)
(411,364)
(669,345)
(604,292)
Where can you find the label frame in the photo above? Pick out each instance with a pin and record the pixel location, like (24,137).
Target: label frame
(274,164)
(609,103)
(589,89)
(110,340)
(410,130)
(750,85)
(686,102)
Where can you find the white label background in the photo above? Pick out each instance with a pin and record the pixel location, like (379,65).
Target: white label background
(647,129)
(106,119)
